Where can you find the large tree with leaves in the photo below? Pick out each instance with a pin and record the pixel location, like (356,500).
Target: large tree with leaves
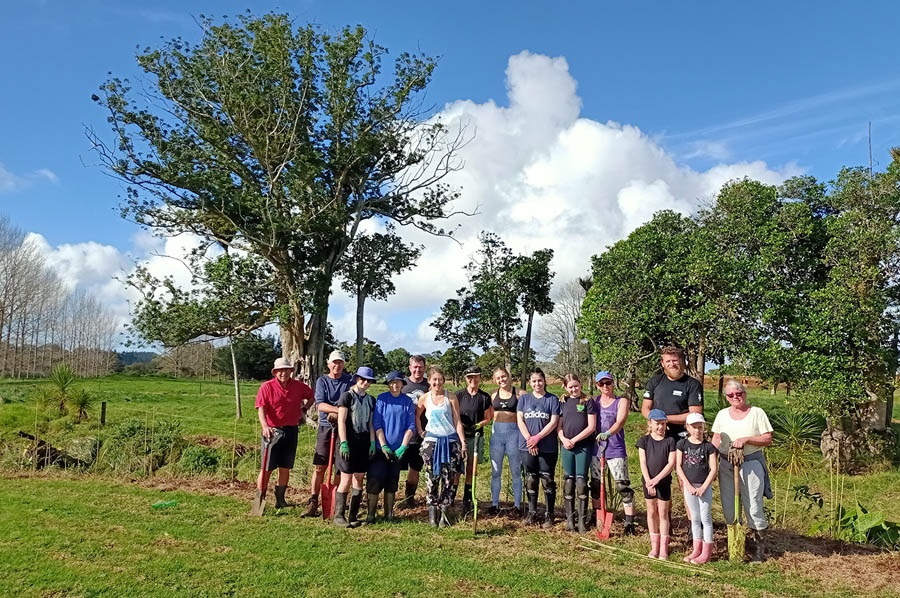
(278,141)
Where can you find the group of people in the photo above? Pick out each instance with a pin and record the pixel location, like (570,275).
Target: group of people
(418,424)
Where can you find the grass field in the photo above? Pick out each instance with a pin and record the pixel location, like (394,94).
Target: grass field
(95,534)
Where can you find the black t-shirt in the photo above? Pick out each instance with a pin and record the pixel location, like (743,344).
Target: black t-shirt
(471,409)
(695,459)
(674,397)
(507,405)
(416,390)
(575,418)
(657,453)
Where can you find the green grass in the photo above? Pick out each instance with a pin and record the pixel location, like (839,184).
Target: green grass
(85,536)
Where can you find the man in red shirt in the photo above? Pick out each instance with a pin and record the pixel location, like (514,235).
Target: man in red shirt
(281,403)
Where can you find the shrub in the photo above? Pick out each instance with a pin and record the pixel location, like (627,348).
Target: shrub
(139,446)
(199,460)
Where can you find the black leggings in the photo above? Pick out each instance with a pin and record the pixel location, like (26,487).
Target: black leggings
(542,463)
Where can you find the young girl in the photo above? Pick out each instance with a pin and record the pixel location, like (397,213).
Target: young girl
(576,434)
(696,465)
(537,415)
(357,445)
(656,452)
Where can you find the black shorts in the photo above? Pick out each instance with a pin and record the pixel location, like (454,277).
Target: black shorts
(323,445)
(282,453)
(383,475)
(359,455)
(663,490)
(412,458)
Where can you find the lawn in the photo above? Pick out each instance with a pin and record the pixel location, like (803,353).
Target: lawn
(93,533)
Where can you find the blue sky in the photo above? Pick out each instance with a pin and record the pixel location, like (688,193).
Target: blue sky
(607,109)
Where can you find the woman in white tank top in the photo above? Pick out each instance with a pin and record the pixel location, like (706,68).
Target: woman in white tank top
(443,452)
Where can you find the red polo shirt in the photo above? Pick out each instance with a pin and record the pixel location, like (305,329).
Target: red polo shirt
(283,405)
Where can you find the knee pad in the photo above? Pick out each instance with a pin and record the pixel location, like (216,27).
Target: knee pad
(547,482)
(581,487)
(531,483)
(569,487)
(595,488)
(625,492)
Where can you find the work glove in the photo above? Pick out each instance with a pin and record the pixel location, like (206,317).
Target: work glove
(373,448)
(479,428)
(736,456)
(401,450)
(387,452)
(345,449)
(603,436)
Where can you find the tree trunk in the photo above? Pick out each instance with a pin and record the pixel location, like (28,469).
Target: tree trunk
(632,388)
(526,350)
(721,385)
(237,382)
(360,308)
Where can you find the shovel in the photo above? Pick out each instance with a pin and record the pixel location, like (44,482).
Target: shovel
(736,534)
(329,488)
(259,503)
(474,479)
(604,517)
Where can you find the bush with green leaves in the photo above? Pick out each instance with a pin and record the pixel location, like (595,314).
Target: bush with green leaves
(142,446)
(196,459)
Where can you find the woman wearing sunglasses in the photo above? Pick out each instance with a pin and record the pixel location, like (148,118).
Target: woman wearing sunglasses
(612,414)
(739,433)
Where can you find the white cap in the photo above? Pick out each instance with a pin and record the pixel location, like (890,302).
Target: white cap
(282,364)
(695,418)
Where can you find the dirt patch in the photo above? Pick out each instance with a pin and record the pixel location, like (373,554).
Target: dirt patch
(208,487)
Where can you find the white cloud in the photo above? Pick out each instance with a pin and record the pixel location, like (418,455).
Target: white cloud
(10,181)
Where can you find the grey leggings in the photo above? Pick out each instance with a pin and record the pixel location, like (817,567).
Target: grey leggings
(701,513)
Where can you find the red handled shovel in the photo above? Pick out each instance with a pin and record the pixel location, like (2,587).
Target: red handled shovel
(604,517)
(329,488)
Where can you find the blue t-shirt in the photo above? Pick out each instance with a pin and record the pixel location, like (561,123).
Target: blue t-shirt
(394,415)
(536,414)
(329,390)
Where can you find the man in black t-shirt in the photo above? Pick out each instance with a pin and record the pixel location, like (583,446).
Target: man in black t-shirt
(475,412)
(415,386)
(673,391)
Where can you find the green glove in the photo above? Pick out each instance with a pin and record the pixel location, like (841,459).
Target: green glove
(387,451)
(602,436)
(373,447)
(479,427)
(345,449)
(401,450)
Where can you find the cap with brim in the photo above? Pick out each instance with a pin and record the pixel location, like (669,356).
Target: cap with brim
(336,356)
(695,418)
(473,371)
(282,364)
(657,415)
(395,375)
(365,373)
(603,375)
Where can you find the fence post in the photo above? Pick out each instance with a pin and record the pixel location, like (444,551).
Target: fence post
(103,413)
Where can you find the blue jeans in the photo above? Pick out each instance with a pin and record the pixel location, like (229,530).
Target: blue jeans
(505,442)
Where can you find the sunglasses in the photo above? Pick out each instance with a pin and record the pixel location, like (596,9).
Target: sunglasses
(734,395)
(605,383)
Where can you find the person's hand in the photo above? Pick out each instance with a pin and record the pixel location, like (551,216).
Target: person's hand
(479,428)
(462,451)
(345,449)
(387,452)
(651,490)
(332,418)
(532,441)
(373,448)
(568,444)
(736,455)
(603,436)
(533,451)
(401,450)
(266,432)
(738,443)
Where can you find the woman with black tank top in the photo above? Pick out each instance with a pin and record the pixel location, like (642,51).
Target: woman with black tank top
(505,442)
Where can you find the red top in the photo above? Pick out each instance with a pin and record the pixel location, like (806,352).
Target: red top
(283,406)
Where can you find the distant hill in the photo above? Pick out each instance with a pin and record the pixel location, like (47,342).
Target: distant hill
(131,357)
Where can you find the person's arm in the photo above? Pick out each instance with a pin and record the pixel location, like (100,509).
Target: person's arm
(420,410)
(713,472)
(621,418)
(457,423)
(549,428)
(342,423)
(645,473)
(309,400)
(520,422)
(488,417)
(679,469)
(764,439)
(646,406)
(263,424)
(588,431)
(716,440)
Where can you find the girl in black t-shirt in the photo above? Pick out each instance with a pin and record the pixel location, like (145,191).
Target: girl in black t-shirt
(576,434)
(696,464)
(656,453)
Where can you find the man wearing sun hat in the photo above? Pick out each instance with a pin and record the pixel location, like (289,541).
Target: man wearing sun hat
(281,403)
(329,388)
